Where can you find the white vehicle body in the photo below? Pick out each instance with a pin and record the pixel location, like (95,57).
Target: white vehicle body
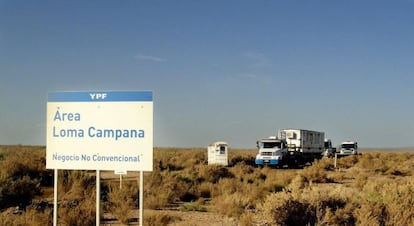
(272,151)
(348,148)
(218,153)
(304,141)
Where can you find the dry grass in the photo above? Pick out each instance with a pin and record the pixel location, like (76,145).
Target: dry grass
(160,219)
(374,188)
(121,201)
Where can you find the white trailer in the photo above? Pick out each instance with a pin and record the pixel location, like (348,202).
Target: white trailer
(218,153)
(304,141)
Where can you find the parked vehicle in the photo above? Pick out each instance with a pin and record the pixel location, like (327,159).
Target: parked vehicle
(329,150)
(292,148)
(348,148)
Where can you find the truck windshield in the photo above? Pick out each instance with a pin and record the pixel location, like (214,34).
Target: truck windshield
(271,144)
(348,146)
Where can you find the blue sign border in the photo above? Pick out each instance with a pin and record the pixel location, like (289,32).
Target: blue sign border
(100,96)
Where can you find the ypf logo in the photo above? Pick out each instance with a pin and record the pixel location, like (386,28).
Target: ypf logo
(98,96)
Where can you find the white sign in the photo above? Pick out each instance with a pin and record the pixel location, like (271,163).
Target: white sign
(121,172)
(100,131)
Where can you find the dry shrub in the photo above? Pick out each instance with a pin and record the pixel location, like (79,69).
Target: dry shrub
(396,164)
(189,181)
(277,179)
(370,161)
(232,197)
(225,186)
(121,201)
(175,159)
(371,213)
(399,200)
(331,206)
(166,159)
(341,216)
(75,185)
(163,188)
(159,190)
(360,180)
(245,158)
(205,189)
(29,217)
(75,181)
(213,173)
(160,219)
(386,202)
(22,161)
(241,170)
(152,201)
(298,183)
(77,198)
(18,191)
(78,213)
(246,219)
(348,161)
(310,204)
(283,209)
(399,164)
(325,163)
(232,205)
(339,176)
(22,172)
(248,174)
(317,172)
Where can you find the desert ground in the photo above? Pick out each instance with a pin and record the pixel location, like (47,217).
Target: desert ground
(374,188)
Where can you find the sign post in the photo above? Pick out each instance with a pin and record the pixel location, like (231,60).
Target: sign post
(104,130)
(55,198)
(120,173)
(98,197)
(141,197)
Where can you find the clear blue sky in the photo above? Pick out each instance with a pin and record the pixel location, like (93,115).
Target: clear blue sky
(220,70)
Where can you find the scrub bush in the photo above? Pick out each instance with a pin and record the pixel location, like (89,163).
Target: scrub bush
(160,219)
(78,213)
(28,217)
(21,173)
(121,201)
(283,209)
(213,173)
(17,192)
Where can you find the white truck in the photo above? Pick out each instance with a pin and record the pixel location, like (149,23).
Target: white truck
(292,147)
(348,148)
(272,151)
(218,153)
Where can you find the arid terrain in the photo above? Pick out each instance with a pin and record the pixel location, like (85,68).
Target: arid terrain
(374,188)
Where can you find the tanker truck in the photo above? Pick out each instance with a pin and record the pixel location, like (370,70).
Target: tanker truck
(291,148)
